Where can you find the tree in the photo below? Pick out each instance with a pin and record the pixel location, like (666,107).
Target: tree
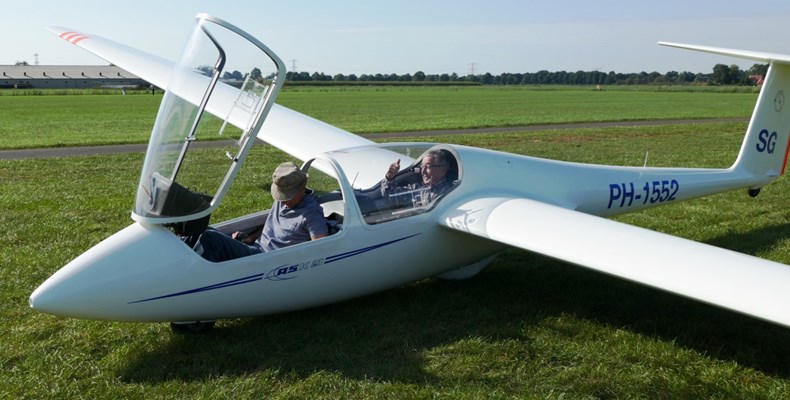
(724,75)
(611,78)
(737,76)
(320,77)
(758,69)
(687,76)
(235,75)
(757,74)
(206,70)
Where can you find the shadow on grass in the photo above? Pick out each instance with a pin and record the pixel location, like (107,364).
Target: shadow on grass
(380,337)
(384,337)
(755,241)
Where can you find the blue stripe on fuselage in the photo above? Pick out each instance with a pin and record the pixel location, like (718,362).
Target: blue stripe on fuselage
(258,277)
(352,253)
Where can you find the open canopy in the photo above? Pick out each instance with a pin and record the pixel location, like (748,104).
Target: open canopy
(221,90)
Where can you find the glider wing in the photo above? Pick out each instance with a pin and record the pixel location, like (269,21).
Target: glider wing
(728,279)
(758,56)
(293,132)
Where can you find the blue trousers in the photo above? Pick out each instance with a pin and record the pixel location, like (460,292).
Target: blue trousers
(216,246)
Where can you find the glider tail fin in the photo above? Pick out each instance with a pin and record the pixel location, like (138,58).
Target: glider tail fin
(763,154)
(764,150)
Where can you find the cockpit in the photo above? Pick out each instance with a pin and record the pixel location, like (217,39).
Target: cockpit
(412,190)
(181,187)
(384,200)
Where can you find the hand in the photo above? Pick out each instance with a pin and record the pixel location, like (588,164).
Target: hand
(240,236)
(393,169)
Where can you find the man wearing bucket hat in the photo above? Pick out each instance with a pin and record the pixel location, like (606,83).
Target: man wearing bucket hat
(295,217)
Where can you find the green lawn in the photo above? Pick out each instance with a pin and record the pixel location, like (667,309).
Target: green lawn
(77,120)
(526,327)
(369,110)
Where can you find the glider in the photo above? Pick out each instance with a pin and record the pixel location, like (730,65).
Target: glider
(146,273)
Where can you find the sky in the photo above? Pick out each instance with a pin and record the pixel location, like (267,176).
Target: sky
(406,36)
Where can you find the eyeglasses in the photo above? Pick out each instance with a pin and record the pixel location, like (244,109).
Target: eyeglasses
(433,165)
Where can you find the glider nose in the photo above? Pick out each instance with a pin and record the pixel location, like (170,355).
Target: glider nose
(48,299)
(65,294)
(38,299)
(80,288)
(98,283)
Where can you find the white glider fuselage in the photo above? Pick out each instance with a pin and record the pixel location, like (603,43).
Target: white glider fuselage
(146,272)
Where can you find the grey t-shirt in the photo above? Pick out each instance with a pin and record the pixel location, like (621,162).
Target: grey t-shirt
(288,226)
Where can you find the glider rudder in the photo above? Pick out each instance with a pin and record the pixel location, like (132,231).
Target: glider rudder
(763,154)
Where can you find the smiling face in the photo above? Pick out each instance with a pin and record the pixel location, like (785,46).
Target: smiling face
(432,170)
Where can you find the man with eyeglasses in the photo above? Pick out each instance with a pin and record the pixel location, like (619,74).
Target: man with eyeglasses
(434,183)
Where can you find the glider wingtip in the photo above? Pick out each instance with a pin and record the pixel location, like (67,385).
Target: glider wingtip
(67,34)
(674,44)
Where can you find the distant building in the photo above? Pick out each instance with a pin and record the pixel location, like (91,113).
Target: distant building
(67,77)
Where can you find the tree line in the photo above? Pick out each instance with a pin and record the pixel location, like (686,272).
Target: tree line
(721,75)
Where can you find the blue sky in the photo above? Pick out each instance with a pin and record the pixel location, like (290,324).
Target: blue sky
(350,36)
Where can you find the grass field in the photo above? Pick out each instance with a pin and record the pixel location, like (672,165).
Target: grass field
(75,120)
(527,327)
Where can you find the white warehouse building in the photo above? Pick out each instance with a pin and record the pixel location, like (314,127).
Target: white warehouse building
(67,77)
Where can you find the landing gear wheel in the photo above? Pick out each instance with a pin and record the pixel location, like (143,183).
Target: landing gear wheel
(192,327)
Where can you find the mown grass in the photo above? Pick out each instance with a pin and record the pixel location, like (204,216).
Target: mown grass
(75,120)
(526,327)
(370,110)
